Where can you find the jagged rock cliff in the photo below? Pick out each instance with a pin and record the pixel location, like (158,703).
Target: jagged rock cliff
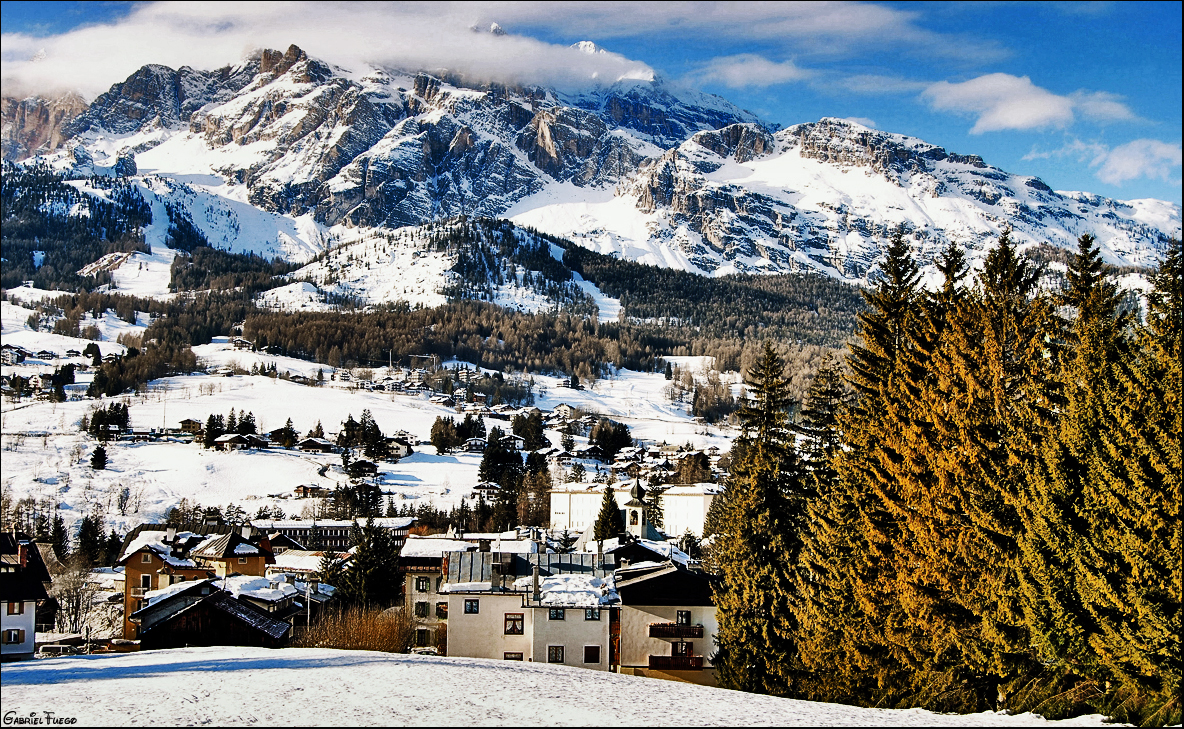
(36,125)
(636,167)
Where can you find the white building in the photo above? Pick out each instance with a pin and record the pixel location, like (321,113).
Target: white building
(23,577)
(575,506)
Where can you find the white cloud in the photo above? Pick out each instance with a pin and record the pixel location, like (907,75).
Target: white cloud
(823,27)
(209,35)
(1002,101)
(1102,106)
(747,69)
(1148,158)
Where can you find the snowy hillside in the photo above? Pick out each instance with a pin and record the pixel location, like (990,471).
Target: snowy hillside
(824,197)
(459,258)
(46,458)
(315,686)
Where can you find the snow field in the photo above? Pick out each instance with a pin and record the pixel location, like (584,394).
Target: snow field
(323,687)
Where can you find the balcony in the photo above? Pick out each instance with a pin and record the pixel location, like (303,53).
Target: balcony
(139,591)
(671,630)
(676,663)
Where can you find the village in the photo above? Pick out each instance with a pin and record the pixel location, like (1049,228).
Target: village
(637,601)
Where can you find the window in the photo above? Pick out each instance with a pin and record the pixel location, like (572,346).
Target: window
(14,636)
(632,518)
(16,608)
(557,614)
(439,583)
(473,607)
(682,649)
(421,609)
(242,560)
(146,582)
(146,558)
(554,654)
(511,656)
(591,654)
(423,638)
(423,584)
(442,610)
(591,613)
(683,617)
(515,625)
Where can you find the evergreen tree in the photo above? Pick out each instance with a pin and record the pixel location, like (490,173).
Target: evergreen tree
(331,569)
(112,549)
(1128,572)
(653,499)
(288,435)
(317,431)
(610,523)
(231,422)
(90,540)
(215,429)
(760,544)
(246,424)
(59,537)
(849,607)
(1053,497)
(98,459)
(372,579)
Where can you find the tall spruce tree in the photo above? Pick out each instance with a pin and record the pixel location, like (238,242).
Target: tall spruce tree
(854,627)
(609,524)
(990,402)
(1052,502)
(760,544)
(1128,572)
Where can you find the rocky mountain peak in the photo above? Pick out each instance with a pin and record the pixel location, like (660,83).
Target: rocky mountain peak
(741,142)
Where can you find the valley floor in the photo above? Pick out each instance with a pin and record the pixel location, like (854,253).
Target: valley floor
(322,687)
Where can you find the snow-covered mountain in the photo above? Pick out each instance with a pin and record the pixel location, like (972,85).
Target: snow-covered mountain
(637,167)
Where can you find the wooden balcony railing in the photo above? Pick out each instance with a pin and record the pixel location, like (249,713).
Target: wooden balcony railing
(671,630)
(676,663)
(139,591)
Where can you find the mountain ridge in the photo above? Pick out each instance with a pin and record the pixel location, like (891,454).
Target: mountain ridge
(635,168)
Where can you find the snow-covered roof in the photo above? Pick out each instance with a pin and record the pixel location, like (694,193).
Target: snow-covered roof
(154,596)
(154,541)
(666,549)
(259,588)
(417,546)
(388,522)
(693,489)
(466,587)
(571,590)
(298,560)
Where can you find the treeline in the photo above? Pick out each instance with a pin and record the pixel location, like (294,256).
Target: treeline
(989,521)
(486,335)
(804,308)
(205,268)
(67,227)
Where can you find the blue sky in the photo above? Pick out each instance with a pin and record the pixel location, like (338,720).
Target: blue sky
(1085,95)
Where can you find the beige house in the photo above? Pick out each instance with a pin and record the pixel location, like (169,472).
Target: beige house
(548,608)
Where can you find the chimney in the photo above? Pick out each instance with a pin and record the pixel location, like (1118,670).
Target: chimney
(246,532)
(170,534)
(314,584)
(23,551)
(290,578)
(483,545)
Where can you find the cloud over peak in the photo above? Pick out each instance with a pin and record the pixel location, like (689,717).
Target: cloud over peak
(203,35)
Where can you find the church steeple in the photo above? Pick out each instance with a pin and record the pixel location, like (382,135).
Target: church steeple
(636,511)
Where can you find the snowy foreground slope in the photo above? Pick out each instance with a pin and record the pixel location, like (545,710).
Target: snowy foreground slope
(239,686)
